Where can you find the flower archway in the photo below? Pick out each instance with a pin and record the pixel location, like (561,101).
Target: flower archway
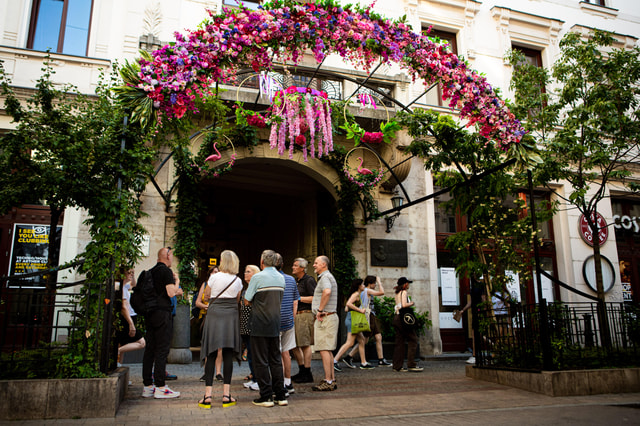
(169,80)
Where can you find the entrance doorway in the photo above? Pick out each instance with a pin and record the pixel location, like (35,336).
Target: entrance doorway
(265,204)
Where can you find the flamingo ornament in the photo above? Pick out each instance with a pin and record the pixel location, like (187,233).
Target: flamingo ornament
(216,156)
(362,170)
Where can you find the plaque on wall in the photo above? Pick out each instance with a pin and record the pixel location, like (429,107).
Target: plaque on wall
(388,253)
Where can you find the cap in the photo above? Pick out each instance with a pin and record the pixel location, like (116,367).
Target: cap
(403,280)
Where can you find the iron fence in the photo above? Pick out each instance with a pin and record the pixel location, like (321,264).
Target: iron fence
(38,325)
(558,336)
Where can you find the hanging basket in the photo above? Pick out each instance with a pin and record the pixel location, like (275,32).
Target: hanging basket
(299,117)
(387,131)
(363,167)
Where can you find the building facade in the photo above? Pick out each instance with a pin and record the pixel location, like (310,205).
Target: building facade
(87,36)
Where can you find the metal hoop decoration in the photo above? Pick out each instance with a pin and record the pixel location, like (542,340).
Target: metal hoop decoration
(255,119)
(358,133)
(224,168)
(363,177)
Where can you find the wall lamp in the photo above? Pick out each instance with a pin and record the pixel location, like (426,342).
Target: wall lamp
(396,202)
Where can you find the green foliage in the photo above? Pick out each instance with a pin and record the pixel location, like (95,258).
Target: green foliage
(588,130)
(498,235)
(384,308)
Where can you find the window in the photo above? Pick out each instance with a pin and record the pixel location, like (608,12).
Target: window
(249,4)
(61,26)
(598,2)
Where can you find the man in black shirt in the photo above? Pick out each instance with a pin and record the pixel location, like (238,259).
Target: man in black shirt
(159,325)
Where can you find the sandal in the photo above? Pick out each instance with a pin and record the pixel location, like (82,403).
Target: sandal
(230,401)
(205,402)
(249,377)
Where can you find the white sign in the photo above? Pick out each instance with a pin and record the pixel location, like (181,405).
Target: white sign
(447,321)
(144,247)
(547,287)
(449,287)
(513,286)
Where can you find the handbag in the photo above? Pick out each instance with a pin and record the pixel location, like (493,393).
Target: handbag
(359,322)
(408,317)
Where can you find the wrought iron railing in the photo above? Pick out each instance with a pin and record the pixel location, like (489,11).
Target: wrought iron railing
(37,325)
(559,336)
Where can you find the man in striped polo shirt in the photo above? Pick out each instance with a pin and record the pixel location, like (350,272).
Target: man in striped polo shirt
(288,311)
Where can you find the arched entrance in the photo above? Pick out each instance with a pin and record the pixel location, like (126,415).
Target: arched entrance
(267,203)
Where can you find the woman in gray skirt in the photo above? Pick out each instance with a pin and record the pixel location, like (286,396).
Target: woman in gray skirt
(222,326)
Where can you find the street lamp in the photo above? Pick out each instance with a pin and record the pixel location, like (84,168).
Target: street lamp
(396,202)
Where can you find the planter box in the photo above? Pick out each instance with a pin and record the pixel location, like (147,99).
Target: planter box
(63,398)
(563,383)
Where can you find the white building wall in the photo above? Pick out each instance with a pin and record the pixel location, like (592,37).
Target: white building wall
(484,32)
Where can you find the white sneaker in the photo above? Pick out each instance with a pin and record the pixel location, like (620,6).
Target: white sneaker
(165,393)
(148,391)
(254,386)
(248,384)
(471,360)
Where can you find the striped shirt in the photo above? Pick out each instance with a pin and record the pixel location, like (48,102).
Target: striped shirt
(290,295)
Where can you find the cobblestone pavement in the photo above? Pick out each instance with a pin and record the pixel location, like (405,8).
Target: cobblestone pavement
(440,395)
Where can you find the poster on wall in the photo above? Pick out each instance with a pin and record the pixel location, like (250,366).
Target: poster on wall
(30,251)
(513,286)
(547,287)
(449,287)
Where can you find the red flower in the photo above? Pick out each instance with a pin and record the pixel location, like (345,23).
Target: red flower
(373,137)
(301,140)
(256,120)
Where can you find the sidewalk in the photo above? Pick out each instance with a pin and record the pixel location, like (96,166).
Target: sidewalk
(441,394)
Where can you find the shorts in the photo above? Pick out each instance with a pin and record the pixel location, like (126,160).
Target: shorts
(326,333)
(304,329)
(123,335)
(287,340)
(374,325)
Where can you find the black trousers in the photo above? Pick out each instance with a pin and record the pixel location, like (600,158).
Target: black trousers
(159,332)
(404,334)
(267,366)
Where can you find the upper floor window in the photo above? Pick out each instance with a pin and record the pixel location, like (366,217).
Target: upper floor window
(598,2)
(60,25)
(249,4)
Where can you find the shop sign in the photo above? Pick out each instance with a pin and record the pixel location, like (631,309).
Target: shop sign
(587,235)
(626,222)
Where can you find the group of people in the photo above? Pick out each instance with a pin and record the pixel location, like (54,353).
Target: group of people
(273,315)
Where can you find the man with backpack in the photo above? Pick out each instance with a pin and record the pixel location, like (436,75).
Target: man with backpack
(159,323)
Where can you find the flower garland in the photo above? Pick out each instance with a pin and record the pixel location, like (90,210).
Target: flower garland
(283,30)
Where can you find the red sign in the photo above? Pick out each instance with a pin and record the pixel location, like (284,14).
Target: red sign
(585,231)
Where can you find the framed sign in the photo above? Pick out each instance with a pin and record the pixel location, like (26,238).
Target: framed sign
(449,287)
(30,251)
(389,253)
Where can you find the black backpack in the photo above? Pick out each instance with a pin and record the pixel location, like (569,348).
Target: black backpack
(144,298)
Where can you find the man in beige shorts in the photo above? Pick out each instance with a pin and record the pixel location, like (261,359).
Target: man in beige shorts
(303,321)
(325,306)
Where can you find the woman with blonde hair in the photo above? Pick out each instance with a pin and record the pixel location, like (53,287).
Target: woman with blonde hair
(221,327)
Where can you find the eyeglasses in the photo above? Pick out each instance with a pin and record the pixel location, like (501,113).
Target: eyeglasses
(168,250)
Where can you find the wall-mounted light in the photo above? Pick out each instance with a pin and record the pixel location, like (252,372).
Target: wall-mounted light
(396,202)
